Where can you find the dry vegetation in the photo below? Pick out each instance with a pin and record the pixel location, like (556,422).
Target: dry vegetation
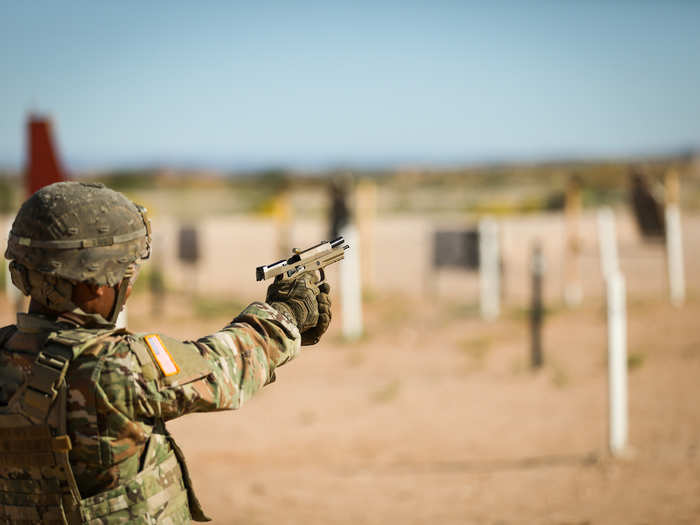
(496,189)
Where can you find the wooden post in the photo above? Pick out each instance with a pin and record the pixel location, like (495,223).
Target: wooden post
(351,286)
(189,252)
(489,269)
(365,214)
(607,242)
(536,309)
(156,286)
(674,240)
(617,363)
(283,219)
(573,289)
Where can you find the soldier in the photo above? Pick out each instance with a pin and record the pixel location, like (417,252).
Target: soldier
(83,405)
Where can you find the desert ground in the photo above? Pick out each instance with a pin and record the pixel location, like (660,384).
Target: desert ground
(434,415)
(437,418)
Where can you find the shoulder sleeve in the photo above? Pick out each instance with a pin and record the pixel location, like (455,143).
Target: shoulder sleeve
(216,372)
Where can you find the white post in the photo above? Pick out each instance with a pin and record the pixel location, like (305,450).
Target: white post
(489,269)
(617,332)
(617,363)
(607,242)
(674,249)
(351,286)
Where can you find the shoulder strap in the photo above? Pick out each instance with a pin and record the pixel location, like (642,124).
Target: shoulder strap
(37,397)
(42,401)
(47,377)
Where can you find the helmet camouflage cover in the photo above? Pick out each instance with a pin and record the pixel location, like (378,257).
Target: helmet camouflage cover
(81,232)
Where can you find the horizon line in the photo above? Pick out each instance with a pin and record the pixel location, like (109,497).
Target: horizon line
(390,163)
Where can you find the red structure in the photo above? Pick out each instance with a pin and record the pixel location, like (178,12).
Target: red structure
(43,167)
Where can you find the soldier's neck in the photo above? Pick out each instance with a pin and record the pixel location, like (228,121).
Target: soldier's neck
(36,307)
(77,317)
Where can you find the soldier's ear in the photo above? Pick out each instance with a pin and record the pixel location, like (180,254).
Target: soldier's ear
(87,291)
(98,291)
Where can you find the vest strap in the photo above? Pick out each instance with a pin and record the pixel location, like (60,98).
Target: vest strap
(46,378)
(41,398)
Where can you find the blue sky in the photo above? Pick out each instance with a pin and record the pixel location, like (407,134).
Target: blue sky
(228,84)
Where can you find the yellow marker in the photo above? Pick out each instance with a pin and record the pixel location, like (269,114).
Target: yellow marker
(163,358)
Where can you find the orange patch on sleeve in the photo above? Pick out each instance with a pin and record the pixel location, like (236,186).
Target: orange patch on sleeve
(165,361)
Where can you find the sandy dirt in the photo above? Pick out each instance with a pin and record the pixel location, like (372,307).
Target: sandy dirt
(435,417)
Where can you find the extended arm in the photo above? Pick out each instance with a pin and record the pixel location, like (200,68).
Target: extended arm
(222,370)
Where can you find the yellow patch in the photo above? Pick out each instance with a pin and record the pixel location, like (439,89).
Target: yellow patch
(165,361)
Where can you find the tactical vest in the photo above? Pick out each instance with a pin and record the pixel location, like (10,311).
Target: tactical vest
(37,484)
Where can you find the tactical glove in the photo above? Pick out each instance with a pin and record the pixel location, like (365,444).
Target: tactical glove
(313,335)
(305,303)
(296,299)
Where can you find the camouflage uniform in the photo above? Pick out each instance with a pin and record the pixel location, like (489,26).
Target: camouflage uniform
(83,408)
(119,399)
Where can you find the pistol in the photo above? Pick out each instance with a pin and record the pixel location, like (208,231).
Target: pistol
(312,259)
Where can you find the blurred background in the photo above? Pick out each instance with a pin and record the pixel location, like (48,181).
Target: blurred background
(514,335)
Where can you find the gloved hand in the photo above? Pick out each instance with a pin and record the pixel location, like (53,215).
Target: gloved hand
(313,335)
(306,303)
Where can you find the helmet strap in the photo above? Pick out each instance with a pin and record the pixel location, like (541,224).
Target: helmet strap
(120,300)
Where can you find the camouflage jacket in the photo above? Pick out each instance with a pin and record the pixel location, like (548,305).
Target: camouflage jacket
(122,387)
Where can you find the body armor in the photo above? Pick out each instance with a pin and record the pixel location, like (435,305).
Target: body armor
(37,482)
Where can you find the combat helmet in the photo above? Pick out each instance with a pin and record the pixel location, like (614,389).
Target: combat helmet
(71,232)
